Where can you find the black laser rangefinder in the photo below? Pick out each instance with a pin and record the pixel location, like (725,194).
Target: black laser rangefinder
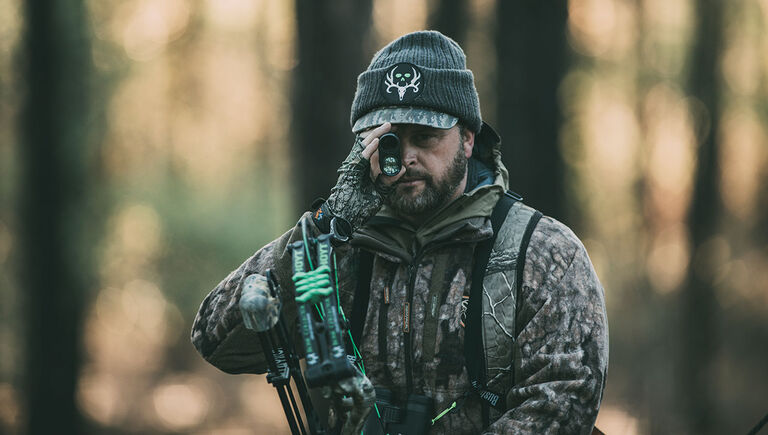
(389,154)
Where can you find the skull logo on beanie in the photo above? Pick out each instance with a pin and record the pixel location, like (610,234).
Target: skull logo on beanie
(400,79)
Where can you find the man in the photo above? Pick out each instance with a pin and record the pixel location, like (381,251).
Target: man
(536,358)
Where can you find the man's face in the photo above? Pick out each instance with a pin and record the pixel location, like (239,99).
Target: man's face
(436,167)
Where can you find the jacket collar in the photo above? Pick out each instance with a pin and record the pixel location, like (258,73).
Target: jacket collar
(465,220)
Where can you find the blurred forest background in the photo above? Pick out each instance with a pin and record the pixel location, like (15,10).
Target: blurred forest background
(148,147)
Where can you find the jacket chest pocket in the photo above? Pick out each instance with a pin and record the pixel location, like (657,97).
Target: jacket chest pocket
(377,320)
(446,302)
(385,300)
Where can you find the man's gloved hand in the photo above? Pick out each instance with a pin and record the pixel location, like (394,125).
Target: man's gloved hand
(361,187)
(353,399)
(259,308)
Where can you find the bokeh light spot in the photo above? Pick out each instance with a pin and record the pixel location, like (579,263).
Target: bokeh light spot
(99,396)
(149,26)
(744,147)
(6,242)
(9,405)
(180,405)
(668,258)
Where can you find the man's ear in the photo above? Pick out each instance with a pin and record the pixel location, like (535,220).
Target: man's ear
(468,142)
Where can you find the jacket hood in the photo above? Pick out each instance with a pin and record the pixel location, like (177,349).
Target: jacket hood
(467,219)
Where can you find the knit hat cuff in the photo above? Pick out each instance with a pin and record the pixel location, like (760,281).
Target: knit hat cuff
(450,91)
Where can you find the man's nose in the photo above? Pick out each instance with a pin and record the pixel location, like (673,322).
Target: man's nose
(409,153)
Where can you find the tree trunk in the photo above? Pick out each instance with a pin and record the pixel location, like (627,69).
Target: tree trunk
(331,37)
(698,303)
(451,18)
(531,54)
(53,127)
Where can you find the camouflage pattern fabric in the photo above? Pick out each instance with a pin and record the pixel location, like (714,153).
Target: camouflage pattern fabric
(353,400)
(560,345)
(405,115)
(443,376)
(558,342)
(561,339)
(356,198)
(219,333)
(259,309)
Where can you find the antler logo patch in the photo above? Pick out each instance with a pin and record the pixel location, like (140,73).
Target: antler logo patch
(402,83)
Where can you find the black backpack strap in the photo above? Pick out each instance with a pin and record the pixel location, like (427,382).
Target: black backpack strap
(474,351)
(524,247)
(362,294)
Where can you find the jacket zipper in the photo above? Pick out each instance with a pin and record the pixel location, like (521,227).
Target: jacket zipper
(383,331)
(407,310)
(407,324)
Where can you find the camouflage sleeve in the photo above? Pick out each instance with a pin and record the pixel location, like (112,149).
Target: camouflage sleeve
(561,345)
(355,197)
(218,332)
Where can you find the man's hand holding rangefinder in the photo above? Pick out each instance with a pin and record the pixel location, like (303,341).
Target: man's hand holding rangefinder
(361,187)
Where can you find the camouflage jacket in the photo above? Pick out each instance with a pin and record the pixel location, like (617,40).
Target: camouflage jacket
(556,330)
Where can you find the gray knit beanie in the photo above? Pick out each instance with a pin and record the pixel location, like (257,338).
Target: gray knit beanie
(420,78)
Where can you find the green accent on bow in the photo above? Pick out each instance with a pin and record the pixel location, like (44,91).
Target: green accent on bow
(439,416)
(313,285)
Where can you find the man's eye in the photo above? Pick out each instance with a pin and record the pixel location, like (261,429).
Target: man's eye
(423,137)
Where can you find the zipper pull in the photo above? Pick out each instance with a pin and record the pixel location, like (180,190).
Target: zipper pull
(407,318)
(386,295)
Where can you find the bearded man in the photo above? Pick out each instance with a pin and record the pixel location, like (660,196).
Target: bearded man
(526,353)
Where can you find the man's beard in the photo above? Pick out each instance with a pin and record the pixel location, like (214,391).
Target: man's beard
(434,195)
